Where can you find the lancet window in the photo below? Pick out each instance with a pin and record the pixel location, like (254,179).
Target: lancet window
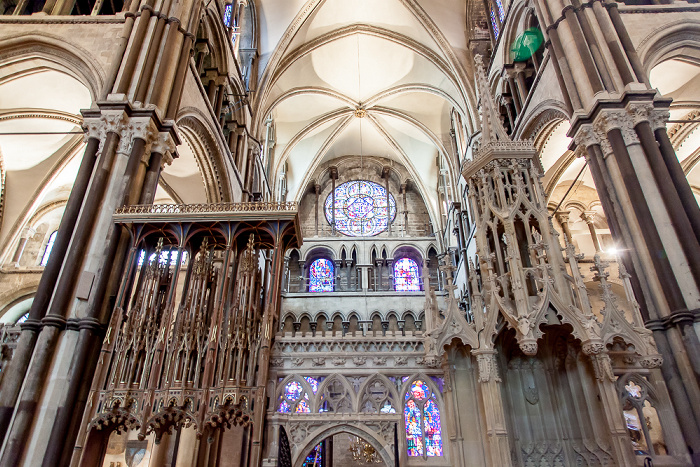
(360,208)
(49,247)
(422,419)
(406,275)
(642,420)
(321,275)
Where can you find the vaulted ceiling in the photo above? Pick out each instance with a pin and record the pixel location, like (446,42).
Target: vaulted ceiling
(324,62)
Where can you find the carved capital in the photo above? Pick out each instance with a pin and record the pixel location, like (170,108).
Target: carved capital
(659,118)
(164,144)
(616,120)
(640,112)
(586,136)
(593,347)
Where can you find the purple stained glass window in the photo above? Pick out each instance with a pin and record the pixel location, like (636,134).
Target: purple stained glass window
(406,276)
(493,22)
(433,434)
(361,208)
(321,276)
(422,417)
(227,14)
(414,436)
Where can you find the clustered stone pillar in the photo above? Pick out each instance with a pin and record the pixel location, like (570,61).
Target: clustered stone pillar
(620,126)
(121,165)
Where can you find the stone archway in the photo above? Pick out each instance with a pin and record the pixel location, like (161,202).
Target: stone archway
(383,450)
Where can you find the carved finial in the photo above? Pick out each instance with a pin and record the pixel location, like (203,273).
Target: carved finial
(491,127)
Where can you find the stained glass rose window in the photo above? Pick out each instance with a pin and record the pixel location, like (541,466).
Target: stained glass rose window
(361,208)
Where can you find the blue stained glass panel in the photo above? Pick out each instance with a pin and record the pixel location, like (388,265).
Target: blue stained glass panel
(494,24)
(321,276)
(284,406)
(312,382)
(315,457)
(406,276)
(360,208)
(433,435)
(501,11)
(293,390)
(227,15)
(414,438)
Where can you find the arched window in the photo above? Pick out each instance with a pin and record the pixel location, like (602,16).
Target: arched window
(362,208)
(321,276)
(422,417)
(294,399)
(406,275)
(49,247)
(642,419)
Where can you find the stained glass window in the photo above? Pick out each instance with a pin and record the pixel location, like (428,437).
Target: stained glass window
(501,11)
(315,457)
(49,247)
(312,382)
(406,276)
(227,14)
(321,276)
(360,208)
(422,417)
(493,22)
(294,399)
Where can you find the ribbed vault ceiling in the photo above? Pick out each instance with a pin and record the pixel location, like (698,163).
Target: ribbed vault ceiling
(383,56)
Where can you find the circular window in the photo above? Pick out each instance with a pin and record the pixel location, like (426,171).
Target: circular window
(360,208)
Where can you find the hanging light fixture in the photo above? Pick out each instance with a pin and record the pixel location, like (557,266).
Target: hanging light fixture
(363,452)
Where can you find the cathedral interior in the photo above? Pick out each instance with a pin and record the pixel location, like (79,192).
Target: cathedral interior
(320,233)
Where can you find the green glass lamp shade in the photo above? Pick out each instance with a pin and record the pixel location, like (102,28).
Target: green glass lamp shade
(526,44)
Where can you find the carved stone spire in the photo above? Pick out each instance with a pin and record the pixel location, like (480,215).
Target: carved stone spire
(491,126)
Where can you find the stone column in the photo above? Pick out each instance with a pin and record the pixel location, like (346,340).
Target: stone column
(563,219)
(317,191)
(588,217)
(386,174)
(610,399)
(644,198)
(334,175)
(498,445)
(26,235)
